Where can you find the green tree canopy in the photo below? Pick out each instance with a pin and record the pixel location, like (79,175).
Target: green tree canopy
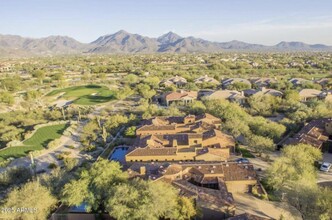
(90,131)
(148,200)
(152,81)
(239,86)
(263,104)
(296,163)
(7,98)
(197,107)
(94,186)
(40,75)
(131,79)
(30,195)
(145,91)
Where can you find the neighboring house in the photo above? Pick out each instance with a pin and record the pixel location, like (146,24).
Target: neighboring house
(263,82)
(298,81)
(179,97)
(323,82)
(262,91)
(204,92)
(273,92)
(206,79)
(227,82)
(230,95)
(310,94)
(176,81)
(189,138)
(315,133)
(249,92)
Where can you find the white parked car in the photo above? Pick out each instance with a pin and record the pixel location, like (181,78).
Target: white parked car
(325,167)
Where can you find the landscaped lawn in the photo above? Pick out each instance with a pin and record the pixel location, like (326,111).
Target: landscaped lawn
(83,95)
(38,141)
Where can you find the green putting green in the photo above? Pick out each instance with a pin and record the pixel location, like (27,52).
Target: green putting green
(86,95)
(38,141)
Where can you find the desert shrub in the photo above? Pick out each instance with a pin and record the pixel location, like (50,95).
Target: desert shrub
(52,166)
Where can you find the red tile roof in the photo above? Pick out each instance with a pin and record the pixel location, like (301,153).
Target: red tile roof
(312,133)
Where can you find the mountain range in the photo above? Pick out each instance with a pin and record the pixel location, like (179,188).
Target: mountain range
(124,42)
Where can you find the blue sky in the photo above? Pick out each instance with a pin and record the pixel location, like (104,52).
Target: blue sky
(254,21)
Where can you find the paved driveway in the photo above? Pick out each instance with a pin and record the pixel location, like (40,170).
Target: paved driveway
(247,203)
(325,176)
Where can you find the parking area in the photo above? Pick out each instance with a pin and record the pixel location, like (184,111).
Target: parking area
(325,176)
(327,157)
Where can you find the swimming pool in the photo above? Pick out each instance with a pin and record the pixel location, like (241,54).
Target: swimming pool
(119,154)
(81,208)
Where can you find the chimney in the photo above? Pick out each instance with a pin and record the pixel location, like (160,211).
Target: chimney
(242,93)
(142,170)
(263,89)
(189,119)
(175,143)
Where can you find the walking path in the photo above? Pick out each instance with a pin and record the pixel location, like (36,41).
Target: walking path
(49,156)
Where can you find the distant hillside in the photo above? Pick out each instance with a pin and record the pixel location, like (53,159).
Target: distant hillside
(54,44)
(300,46)
(13,45)
(169,38)
(124,42)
